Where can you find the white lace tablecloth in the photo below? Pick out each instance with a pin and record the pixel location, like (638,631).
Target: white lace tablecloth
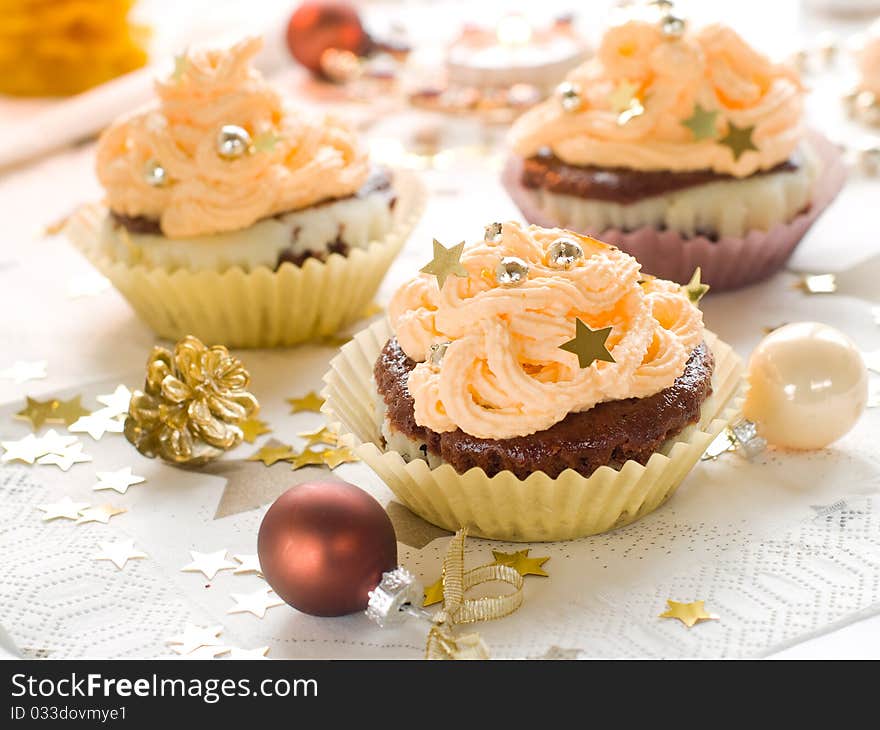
(785,551)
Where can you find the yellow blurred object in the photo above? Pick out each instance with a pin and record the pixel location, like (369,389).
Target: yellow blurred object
(60,47)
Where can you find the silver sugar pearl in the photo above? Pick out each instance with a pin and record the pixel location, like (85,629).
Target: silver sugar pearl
(745,433)
(233,141)
(397,596)
(155,175)
(512,271)
(569,96)
(435,355)
(564,253)
(493,233)
(673,26)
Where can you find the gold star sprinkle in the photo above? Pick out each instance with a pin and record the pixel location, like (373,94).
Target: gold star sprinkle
(102,513)
(335,457)
(320,436)
(434,593)
(588,345)
(738,140)
(688,613)
(54,410)
(266,141)
(521,562)
(309,402)
(181,63)
(817,283)
(445,263)
(702,123)
(695,289)
(307,458)
(253,427)
(623,95)
(273,452)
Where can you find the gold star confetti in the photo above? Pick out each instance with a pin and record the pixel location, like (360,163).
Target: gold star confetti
(817,283)
(521,562)
(118,481)
(253,427)
(195,637)
(308,457)
(335,457)
(695,289)
(54,410)
(434,593)
(688,613)
(702,123)
(65,458)
(311,401)
(273,452)
(102,513)
(119,553)
(65,509)
(445,263)
(320,436)
(247,564)
(256,603)
(208,564)
(738,140)
(21,371)
(588,345)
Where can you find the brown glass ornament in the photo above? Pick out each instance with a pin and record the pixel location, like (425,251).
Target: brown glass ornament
(317,26)
(323,546)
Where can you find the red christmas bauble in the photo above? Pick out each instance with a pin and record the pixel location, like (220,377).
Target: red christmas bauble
(323,547)
(316,26)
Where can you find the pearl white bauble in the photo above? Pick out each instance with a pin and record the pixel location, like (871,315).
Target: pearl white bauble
(808,385)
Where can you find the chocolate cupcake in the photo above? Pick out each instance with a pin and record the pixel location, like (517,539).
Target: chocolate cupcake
(534,385)
(683,146)
(231,215)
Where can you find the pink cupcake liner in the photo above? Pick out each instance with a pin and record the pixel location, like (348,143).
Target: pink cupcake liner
(727,263)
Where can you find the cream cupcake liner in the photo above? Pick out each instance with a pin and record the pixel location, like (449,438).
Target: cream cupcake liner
(260,307)
(504,507)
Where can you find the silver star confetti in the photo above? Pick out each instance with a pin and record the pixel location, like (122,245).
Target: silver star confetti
(119,480)
(65,509)
(208,564)
(22,371)
(256,603)
(119,553)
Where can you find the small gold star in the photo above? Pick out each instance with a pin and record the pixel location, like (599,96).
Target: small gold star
(102,513)
(695,289)
(588,345)
(307,458)
(181,63)
(335,457)
(266,141)
(688,613)
(309,402)
(445,263)
(54,410)
(702,123)
(273,452)
(738,140)
(622,97)
(434,593)
(521,562)
(253,427)
(320,436)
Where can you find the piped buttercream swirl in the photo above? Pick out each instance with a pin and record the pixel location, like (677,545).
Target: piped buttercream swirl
(503,373)
(869,61)
(298,158)
(713,68)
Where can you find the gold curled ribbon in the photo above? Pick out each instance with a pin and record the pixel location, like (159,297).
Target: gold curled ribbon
(458,609)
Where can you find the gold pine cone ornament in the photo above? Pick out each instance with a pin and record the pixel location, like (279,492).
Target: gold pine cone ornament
(192,402)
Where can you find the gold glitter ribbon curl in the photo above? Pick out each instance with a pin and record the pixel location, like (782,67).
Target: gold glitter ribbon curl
(192,404)
(458,609)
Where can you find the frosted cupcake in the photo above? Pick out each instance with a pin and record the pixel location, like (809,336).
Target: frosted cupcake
(683,146)
(534,385)
(238,218)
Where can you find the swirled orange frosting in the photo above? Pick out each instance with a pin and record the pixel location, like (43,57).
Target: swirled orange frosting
(869,61)
(503,373)
(712,67)
(306,158)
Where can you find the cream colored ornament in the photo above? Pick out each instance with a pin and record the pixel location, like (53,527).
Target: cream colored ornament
(808,385)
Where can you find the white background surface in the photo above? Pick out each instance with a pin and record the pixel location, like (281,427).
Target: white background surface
(97,340)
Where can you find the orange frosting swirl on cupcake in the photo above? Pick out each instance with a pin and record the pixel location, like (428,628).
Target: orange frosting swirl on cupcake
(713,68)
(869,61)
(503,373)
(297,159)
